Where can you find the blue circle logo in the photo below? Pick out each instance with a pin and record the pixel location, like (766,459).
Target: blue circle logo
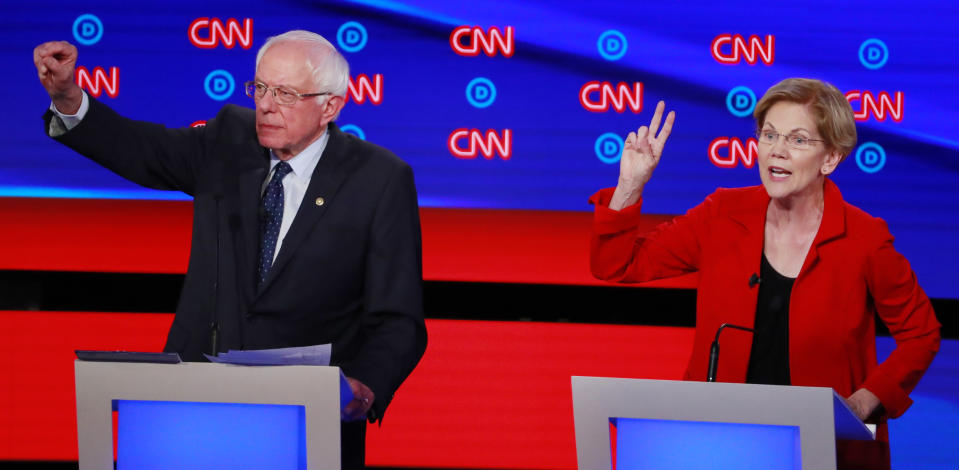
(219,85)
(351,36)
(480,92)
(873,54)
(609,148)
(612,45)
(870,157)
(353,129)
(87,29)
(740,101)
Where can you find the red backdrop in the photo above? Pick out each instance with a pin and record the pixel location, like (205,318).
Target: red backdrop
(538,247)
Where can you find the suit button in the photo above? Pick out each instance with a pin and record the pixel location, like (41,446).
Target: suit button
(320,201)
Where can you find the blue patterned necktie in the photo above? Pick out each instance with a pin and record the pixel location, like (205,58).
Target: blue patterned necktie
(271,218)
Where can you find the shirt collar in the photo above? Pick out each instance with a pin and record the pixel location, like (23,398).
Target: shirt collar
(305,162)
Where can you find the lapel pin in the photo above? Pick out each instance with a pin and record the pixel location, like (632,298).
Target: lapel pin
(320,201)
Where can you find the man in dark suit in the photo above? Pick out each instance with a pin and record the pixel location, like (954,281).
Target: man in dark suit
(302,234)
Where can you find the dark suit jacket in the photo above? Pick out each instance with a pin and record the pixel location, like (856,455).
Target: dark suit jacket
(349,271)
(851,273)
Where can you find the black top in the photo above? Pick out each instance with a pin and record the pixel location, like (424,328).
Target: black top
(769,360)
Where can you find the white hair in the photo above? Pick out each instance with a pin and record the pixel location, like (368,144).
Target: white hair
(331,73)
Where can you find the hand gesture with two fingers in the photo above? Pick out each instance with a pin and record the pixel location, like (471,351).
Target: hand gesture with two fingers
(641,154)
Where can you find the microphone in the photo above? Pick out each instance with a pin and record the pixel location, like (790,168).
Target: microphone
(714,350)
(754,279)
(214,320)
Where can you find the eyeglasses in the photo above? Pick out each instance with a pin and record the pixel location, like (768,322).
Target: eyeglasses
(282,95)
(794,141)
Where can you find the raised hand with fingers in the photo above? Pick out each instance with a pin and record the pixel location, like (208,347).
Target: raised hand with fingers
(641,154)
(56,62)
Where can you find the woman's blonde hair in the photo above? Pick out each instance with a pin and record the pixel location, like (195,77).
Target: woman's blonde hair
(830,109)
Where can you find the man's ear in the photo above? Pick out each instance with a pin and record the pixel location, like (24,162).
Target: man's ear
(332,107)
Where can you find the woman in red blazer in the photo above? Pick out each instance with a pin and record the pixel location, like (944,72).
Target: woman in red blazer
(789,258)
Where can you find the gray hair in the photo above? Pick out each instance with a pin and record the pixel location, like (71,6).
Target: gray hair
(331,73)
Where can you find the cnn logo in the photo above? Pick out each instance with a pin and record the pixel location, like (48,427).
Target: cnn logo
(99,81)
(362,89)
(879,106)
(733,48)
(208,33)
(467,41)
(598,97)
(735,152)
(478,143)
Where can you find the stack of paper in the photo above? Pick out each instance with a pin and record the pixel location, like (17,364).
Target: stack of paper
(318,355)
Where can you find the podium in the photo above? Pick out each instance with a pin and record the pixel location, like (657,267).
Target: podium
(311,392)
(709,425)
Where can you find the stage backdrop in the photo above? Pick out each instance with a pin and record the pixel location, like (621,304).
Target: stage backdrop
(524,104)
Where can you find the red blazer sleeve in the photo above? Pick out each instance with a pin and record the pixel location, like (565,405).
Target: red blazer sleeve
(904,308)
(620,253)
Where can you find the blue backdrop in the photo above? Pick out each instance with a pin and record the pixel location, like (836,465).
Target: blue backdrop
(530,79)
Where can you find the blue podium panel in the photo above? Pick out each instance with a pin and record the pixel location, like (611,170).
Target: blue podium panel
(694,445)
(168,434)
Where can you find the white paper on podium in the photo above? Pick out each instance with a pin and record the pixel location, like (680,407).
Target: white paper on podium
(318,355)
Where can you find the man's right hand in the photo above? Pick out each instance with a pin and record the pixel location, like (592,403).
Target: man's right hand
(56,62)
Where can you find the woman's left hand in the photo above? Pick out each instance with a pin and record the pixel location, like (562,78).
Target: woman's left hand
(863,403)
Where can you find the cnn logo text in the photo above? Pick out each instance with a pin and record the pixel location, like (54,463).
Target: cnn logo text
(208,33)
(469,40)
(467,144)
(731,49)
